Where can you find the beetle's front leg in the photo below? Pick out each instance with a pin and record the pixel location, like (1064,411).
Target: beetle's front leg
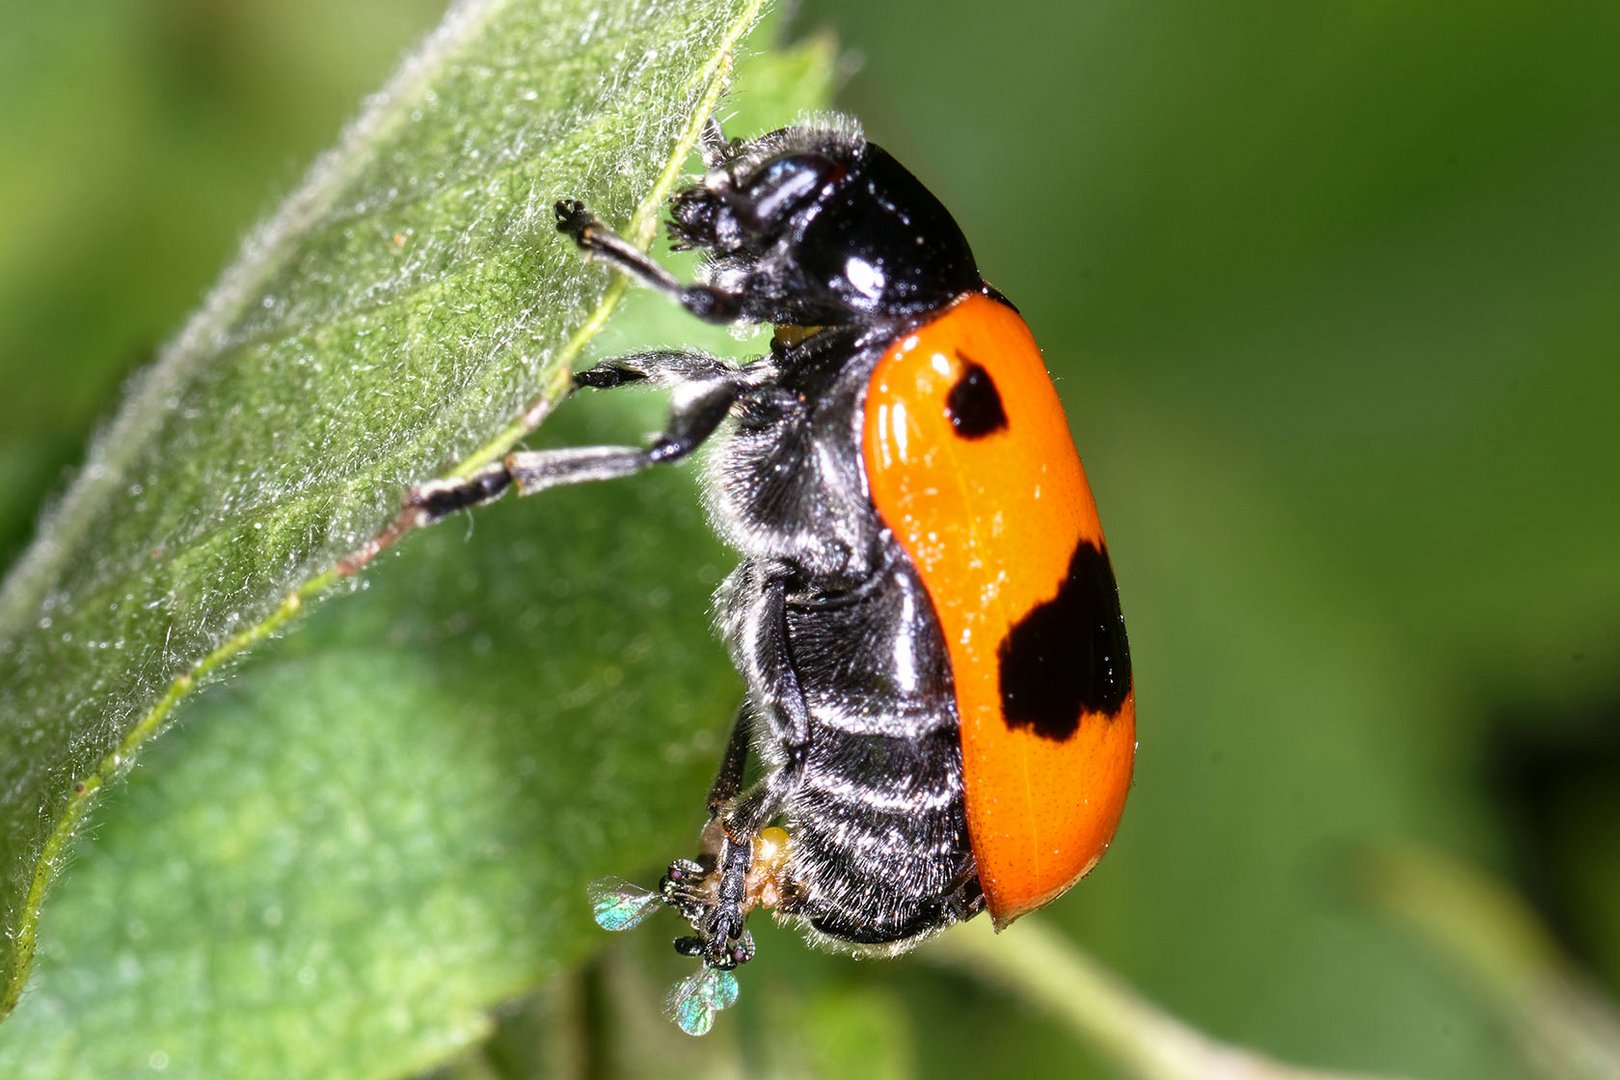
(603,244)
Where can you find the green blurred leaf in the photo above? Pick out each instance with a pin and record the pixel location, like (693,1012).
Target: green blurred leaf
(856,1029)
(405,303)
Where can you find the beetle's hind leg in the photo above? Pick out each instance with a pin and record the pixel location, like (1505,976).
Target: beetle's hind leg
(712,893)
(776,698)
(711,385)
(734,763)
(717,901)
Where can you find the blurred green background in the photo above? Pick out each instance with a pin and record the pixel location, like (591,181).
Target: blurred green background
(1331,295)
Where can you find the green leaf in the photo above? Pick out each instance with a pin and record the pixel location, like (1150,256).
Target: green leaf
(409,300)
(385,824)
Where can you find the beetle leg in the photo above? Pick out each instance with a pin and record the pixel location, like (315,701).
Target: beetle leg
(658,367)
(604,245)
(781,704)
(965,898)
(694,418)
(725,937)
(726,940)
(774,669)
(713,145)
(728,781)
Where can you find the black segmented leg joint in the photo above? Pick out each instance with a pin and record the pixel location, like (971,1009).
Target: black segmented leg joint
(710,305)
(728,942)
(438,499)
(670,449)
(574,220)
(606,378)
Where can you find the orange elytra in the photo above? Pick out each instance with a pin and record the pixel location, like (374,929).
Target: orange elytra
(971,464)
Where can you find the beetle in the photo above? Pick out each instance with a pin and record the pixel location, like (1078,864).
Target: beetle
(938,681)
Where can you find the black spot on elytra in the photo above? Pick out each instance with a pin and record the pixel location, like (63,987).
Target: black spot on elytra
(974,403)
(1069,655)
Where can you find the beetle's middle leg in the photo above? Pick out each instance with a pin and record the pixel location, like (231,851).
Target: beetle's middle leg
(710,387)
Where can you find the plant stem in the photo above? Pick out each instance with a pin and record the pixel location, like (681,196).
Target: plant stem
(1132,1033)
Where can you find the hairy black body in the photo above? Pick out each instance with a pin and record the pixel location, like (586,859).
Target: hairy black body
(873,799)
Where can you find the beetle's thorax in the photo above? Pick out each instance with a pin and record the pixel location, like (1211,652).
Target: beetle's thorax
(816,227)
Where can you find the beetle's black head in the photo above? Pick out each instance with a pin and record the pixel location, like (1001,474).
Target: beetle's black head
(815,226)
